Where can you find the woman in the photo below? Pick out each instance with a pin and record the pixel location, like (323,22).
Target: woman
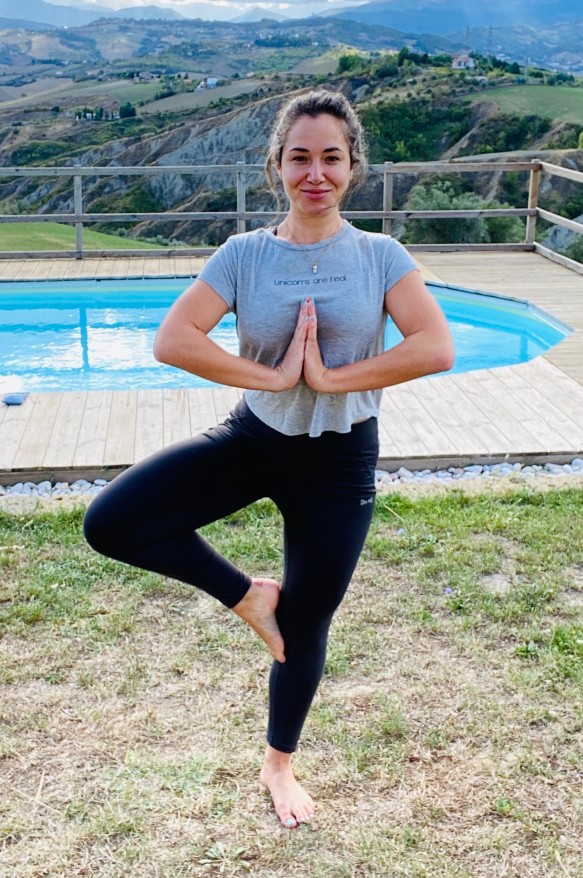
(311,297)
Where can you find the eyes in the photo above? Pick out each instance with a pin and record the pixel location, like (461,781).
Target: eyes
(302,159)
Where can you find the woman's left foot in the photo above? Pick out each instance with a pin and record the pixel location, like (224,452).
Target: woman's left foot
(292,804)
(258,608)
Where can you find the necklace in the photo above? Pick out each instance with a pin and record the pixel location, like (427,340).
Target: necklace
(313,261)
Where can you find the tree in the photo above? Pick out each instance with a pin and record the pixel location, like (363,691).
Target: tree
(349,61)
(126,111)
(444,195)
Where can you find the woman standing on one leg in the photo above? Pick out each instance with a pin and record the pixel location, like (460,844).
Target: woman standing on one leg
(311,297)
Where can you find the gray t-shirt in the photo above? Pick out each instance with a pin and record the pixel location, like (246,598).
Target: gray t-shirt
(264,280)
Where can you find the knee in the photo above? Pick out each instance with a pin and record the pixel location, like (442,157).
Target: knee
(100,528)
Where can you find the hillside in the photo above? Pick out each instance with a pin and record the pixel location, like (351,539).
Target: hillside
(422,127)
(545,33)
(414,107)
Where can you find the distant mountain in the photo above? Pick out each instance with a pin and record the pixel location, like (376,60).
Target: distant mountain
(450,16)
(22,24)
(258,14)
(49,13)
(144,13)
(40,12)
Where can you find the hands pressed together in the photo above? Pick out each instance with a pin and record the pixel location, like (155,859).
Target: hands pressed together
(303,357)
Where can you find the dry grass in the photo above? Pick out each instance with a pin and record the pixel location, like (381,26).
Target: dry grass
(445,742)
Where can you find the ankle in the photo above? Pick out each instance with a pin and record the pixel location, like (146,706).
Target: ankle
(276,760)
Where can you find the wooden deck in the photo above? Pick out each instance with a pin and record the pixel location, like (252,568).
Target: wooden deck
(532,411)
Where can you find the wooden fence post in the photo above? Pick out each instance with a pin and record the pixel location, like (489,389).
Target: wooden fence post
(532,202)
(78,208)
(387,199)
(241,198)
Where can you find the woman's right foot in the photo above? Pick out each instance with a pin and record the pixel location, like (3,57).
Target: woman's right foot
(257,608)
(292,803)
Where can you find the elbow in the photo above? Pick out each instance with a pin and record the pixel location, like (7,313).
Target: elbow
(443,358)
(446,359)
(163,349)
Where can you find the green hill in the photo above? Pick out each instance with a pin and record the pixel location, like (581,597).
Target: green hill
(563,103)
(57,236)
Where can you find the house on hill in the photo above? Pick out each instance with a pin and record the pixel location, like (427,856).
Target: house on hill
(463,62)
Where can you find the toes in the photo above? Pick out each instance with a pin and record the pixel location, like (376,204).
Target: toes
(294,818)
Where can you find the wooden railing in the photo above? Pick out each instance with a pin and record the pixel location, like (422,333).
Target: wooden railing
(242,216)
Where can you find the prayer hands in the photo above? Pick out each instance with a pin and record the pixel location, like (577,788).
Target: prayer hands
(303,355)
(315,372)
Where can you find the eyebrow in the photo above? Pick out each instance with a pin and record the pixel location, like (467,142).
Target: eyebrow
(303,149)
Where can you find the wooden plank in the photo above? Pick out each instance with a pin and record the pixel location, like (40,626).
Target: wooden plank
(560,391)
(404,397)
(176,416)
(498,408)
(225,399)
(396,431)
(61,446)
(545,420)
(202,410)
(12,429)
(121,434)
(33,444)
(90,450)
(559,258)
(460,420)
(119,267)
(557,220)
(559,171)
(149,423)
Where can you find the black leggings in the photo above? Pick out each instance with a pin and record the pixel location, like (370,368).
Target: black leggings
(324,488)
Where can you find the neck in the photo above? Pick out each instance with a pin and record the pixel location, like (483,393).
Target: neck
(310,230)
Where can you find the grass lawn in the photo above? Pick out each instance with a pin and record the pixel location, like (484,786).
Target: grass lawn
(445,741)
(556,102)
(58,236)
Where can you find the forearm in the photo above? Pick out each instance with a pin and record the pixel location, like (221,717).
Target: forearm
(193,351)
(419,354)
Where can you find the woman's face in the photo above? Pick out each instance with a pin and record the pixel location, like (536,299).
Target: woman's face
(315,166)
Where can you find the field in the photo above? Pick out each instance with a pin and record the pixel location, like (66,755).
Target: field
(188,100)
(445,741)
(123,91)
(556,102)
(323,64)
(44,92)
(33,91)
(57,236)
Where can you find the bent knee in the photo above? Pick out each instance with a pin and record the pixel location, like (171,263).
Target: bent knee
(101,530)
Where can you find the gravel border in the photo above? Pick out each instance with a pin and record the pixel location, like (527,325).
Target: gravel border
(24,498)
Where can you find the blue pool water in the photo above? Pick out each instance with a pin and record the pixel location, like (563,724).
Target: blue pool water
(98,335)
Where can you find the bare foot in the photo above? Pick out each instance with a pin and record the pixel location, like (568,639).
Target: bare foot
(257,608)
(292,804)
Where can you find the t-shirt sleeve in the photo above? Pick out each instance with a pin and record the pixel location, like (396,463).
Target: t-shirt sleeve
(221,271)
(399,262)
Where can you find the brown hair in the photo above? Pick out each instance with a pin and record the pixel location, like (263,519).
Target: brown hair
(317,103)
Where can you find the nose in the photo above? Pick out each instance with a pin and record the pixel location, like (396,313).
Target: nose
(315,171)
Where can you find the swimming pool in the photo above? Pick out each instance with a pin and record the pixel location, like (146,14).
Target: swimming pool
(98,335)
